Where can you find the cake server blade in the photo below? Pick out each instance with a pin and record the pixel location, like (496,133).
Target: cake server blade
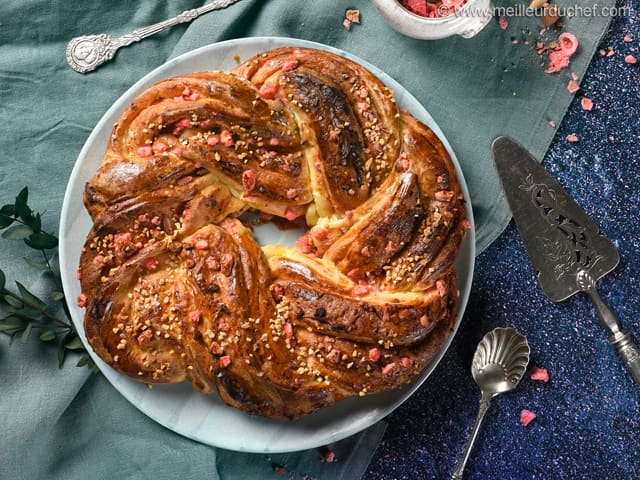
(563,243)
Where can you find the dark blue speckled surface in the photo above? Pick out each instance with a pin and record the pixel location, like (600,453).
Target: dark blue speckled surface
(588,424)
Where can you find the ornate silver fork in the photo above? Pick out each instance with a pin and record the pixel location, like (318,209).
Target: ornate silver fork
(88,52)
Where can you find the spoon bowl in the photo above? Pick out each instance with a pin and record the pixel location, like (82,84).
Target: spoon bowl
(500,360)
(492,378)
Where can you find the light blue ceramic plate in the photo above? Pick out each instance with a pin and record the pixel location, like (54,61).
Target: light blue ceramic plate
(204,417)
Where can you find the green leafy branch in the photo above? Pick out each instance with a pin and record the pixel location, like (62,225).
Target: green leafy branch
(23,312)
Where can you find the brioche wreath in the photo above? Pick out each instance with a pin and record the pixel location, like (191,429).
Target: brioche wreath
(174,284)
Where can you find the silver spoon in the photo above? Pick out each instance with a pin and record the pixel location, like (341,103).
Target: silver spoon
(498,365)
(88,52)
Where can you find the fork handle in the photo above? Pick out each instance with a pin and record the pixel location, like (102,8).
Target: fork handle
(184,17)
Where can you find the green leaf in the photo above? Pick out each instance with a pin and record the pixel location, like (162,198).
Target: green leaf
(57,296)
(74,344)
(3,280)
(17,232)
(55,266)
(5,220)
(37,223)
(12,301)
(11,332)
(8,210)
(93,367)
(21,208)
(11,324)
(62,352)
(47,336)
(84,360)
(27,313)
(36,265)
(24,338)
(41,241)
(30,298)
(22,197)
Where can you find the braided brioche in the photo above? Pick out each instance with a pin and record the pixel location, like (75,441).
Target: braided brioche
(176,287)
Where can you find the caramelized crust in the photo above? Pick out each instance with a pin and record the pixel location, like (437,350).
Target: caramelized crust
(175,285)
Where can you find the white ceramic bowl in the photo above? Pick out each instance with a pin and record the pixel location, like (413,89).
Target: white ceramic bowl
(466,22)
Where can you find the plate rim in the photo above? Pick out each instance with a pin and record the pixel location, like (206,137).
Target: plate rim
(466,255)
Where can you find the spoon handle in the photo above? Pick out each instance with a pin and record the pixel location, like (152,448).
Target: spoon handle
(485,402)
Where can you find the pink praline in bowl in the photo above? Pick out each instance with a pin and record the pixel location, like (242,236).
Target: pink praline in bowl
(466,21)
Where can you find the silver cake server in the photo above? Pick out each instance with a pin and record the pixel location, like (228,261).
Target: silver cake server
(88,52)
(564,245)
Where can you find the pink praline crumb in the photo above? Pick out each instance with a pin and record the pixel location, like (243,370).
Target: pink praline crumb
(573,86)
(268,90)
(183,123)
(159,147)
(226,138)
(539,374)
(502,21)
(150,264)
(630,59)
(290,65)
(416,6)
(329,457)
(587,104)
(304,245)
(290,215)
(82,300)
(388,368)
(145,151)
(288,330)
(195,316)
(374,354)
(568,43)
(406,362)
(572,137)
(558,60)
(526,417)
(360,290)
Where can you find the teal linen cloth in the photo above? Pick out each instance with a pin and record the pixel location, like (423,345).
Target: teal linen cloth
(66,424)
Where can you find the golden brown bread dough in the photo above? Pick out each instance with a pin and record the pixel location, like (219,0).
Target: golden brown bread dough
(175,286)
